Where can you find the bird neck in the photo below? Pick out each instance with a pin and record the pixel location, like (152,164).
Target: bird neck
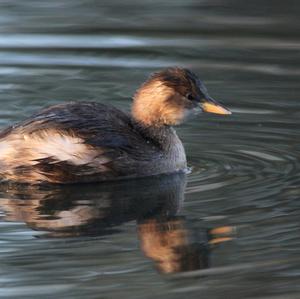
(163,136)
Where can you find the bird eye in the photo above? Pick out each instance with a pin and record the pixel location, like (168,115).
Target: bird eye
(190,97)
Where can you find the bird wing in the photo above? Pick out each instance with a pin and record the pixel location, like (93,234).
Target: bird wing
(73,142)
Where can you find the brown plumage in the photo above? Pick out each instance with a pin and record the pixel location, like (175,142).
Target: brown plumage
(89,142)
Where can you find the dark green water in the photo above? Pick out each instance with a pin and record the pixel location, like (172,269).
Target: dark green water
(230,231)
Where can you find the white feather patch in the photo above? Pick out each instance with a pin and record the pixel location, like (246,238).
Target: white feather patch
(27,149)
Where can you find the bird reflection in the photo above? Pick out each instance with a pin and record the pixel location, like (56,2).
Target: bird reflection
(94,210)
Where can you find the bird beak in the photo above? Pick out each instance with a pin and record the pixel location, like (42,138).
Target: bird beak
(209,105)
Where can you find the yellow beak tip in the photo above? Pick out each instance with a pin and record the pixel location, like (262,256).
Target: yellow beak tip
(215,108)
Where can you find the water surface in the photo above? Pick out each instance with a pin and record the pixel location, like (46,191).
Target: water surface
(230,229)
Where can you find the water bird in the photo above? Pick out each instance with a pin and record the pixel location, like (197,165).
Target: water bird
(83,142)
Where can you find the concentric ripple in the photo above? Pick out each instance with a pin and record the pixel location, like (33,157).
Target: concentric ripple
(251,165)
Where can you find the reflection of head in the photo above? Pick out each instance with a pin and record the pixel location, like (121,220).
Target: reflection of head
(169,244)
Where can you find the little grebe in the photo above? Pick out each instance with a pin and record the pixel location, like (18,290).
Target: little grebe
(91,142)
